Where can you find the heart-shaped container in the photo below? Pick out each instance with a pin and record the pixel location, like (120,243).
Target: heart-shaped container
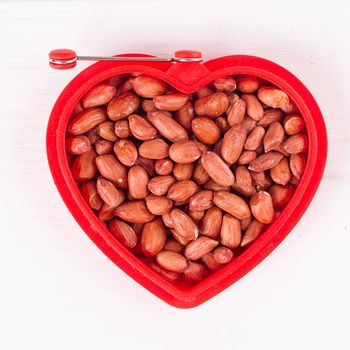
(187,77)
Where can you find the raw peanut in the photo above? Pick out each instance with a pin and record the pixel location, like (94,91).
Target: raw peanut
(198,248)
(254,107)
(138,228)
(232,144)
(99,95)
(297,164)
(122,106)
(154,149)
(280,194)
(167,220)
(225,84)
(200,176)
(148,87)
(217,169)
(205,130)
(236,112)
(210,224)
(171,102)
(265,161)
(195,272)
(78,109)
(183,241)
(106,213)
(212,106)
(183,152)
(87,120)
(153,237)
(184,225)
(262,207)
(253,231)
(279,148)
(121,129)
(270,116)
(148,106)
(248,124)
(123,232)
(255,138)
(183,171)
(261,180)
(195,215)
(223,255)
(106,131)
(182,190)
(204,91)
(259,150)
(141,128)
(275,98)
(222,124)
(281,173)
(247,83)
(244,182)
(213,186)
(164,166)
(124,87)
(90,194)
(93,135)
(158,205)
(232,204)
(210,262)
(199,144)
(167,126)
(116,80)
(273,137)
(293,124)
(126,152)
(84,167)
(170,275)
(147,164)
(296,144)
(217,147)
(231,232)
(233,98)
(171,261)
(111,169)
(103,147)
(173,245)
(201,200)
(245,222)
(294,181)
(77,144)
(185,115)
(134,211)
(110,195)
(137,182)
(159,185)
(246,157)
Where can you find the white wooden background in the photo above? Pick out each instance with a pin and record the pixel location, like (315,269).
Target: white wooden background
(57,291)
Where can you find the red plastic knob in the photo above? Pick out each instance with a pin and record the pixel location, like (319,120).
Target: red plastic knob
(188,54)
(67,57)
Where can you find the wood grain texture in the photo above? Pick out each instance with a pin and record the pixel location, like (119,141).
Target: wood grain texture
(58,291)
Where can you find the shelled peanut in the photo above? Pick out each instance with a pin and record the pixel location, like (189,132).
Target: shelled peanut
(186,181)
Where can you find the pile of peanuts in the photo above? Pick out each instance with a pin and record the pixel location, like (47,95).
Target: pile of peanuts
(186,181)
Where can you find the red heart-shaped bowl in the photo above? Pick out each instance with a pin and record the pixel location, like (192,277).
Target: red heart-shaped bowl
(187,77)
